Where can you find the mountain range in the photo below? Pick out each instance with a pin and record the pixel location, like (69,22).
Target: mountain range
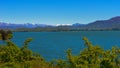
(110,24)
(15,26)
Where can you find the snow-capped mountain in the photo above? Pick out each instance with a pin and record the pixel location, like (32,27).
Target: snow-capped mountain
(26,25)
(110,24)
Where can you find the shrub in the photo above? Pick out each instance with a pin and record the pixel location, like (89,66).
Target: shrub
(92,56)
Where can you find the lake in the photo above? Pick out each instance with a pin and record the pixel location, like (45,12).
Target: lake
(53,45)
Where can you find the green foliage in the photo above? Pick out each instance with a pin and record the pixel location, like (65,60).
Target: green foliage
(26,42)
(11,56)
(92,56)
(10,52)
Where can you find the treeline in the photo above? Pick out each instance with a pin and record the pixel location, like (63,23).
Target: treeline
(64,28)
(42,29)
(92,56)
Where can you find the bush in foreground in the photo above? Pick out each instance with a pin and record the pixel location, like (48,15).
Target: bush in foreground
(11,56)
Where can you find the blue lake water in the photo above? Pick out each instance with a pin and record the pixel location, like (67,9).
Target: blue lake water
(52,45)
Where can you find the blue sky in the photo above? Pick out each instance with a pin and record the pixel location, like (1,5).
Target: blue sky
(57,11)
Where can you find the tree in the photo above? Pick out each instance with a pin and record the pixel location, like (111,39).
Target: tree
(5,35)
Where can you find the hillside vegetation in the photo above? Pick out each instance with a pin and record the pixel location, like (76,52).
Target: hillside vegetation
(92,56)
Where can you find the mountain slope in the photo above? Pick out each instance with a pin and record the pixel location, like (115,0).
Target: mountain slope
(105,24)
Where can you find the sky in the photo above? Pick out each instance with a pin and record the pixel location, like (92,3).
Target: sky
(57,11)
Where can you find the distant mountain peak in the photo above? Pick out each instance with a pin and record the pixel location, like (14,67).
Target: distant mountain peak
(78,24)
(115,18)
